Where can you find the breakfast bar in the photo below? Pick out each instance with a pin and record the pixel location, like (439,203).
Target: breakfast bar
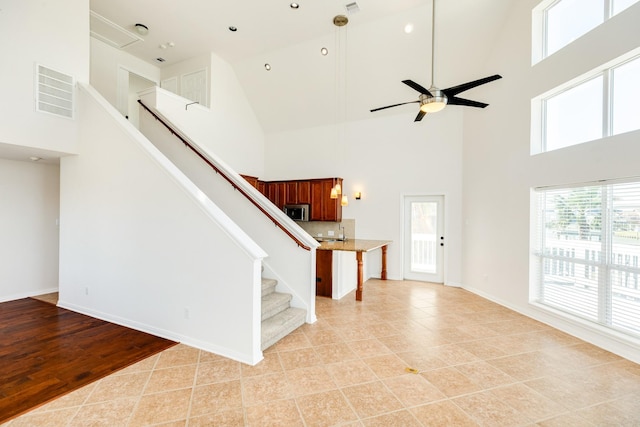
(359,246)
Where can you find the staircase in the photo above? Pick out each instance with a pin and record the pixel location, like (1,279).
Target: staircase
(279,319)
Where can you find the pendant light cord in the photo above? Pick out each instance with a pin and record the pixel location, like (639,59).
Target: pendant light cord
(433,39)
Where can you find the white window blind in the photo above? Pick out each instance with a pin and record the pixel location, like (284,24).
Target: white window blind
(587,251)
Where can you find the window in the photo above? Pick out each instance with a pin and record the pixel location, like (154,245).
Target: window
(598,106)
(556,23)
(586,250)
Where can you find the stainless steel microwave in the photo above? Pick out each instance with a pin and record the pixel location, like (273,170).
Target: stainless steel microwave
(297,212)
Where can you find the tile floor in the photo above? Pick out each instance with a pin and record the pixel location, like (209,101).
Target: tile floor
(474,363)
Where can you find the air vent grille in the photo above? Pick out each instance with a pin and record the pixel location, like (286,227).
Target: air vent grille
(54,92)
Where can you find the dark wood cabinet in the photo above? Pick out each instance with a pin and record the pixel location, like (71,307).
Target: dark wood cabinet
(304,192)
(324,273)
(314,192)
(276,192)
(323,207)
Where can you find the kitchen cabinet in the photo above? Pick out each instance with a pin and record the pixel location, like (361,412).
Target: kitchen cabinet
(276,191)
(323,207)
(324,273)
(313,192)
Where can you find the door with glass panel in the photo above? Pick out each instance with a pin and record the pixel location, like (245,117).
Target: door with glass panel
(424,238)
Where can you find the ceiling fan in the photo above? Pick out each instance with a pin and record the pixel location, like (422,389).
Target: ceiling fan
(433,99)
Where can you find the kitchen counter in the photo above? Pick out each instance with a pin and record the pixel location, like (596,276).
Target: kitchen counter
(358,246)
(352,245)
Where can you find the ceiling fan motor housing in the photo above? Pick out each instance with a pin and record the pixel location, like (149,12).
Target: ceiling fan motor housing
(434,103)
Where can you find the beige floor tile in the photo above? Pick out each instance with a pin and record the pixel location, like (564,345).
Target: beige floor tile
(109,414)
(477,364)
(329,408)
(269,365)
(402,418)
(334,353)
(566,420)
(266,388)
(413,390)
(488,410)
(178,356)
(218,371)
(229,418)
(280,413)
(310,380)
(451,382)
(119,386)
(171,379)
(371,399)
(442,413)
(55,418)
(386,366)
(295,359)
(528,402)
(213,398)
(351,372)
(294,341)
(73,399)
(484,374)
(368,348)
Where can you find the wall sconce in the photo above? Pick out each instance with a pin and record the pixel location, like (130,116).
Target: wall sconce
(344,201)
(358,195)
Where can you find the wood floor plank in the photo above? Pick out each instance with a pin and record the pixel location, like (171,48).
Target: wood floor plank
(47,351)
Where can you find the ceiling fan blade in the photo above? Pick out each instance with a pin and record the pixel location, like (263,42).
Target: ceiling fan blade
(417,87)
(394,105)
(465,102)
(420,115)
(453,91)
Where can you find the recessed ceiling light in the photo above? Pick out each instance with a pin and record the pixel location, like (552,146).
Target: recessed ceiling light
(35,159)
(408,28)
(267,67)
(163,46)
(324,51)
(233,29)
(294,6)
(142,29)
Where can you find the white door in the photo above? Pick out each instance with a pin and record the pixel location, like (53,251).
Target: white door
(193,86)
(424,238)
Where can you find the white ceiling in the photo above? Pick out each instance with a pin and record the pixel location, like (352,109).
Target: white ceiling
(305,89)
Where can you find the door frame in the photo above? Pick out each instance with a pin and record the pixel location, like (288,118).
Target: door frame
(440,277)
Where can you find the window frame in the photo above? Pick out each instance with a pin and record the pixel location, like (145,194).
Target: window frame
(605,264)
(539,143)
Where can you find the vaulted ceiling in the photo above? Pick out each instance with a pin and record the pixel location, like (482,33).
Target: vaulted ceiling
(367,59)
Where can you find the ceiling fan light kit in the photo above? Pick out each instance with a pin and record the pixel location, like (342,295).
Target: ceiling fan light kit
(433,99)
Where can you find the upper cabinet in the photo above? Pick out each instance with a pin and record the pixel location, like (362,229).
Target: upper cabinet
(313,192)
(323,207)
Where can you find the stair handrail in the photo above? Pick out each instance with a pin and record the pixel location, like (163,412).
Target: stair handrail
(226,177)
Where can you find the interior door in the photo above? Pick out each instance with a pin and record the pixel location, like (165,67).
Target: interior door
(423,246)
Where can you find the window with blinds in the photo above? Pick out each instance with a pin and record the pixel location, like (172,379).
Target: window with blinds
(587,253)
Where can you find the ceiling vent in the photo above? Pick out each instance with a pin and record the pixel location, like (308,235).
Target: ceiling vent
(352,8)
(113,34)
(54,94)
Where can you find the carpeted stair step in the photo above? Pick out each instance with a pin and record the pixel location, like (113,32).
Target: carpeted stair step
(282,324)
(273,303)
(268,286)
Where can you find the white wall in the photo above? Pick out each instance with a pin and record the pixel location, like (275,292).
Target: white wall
(499,172)
(141,246)
(29,208)
(385,158)
(230,128)
(110,68)
(291,265)
(53,34)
